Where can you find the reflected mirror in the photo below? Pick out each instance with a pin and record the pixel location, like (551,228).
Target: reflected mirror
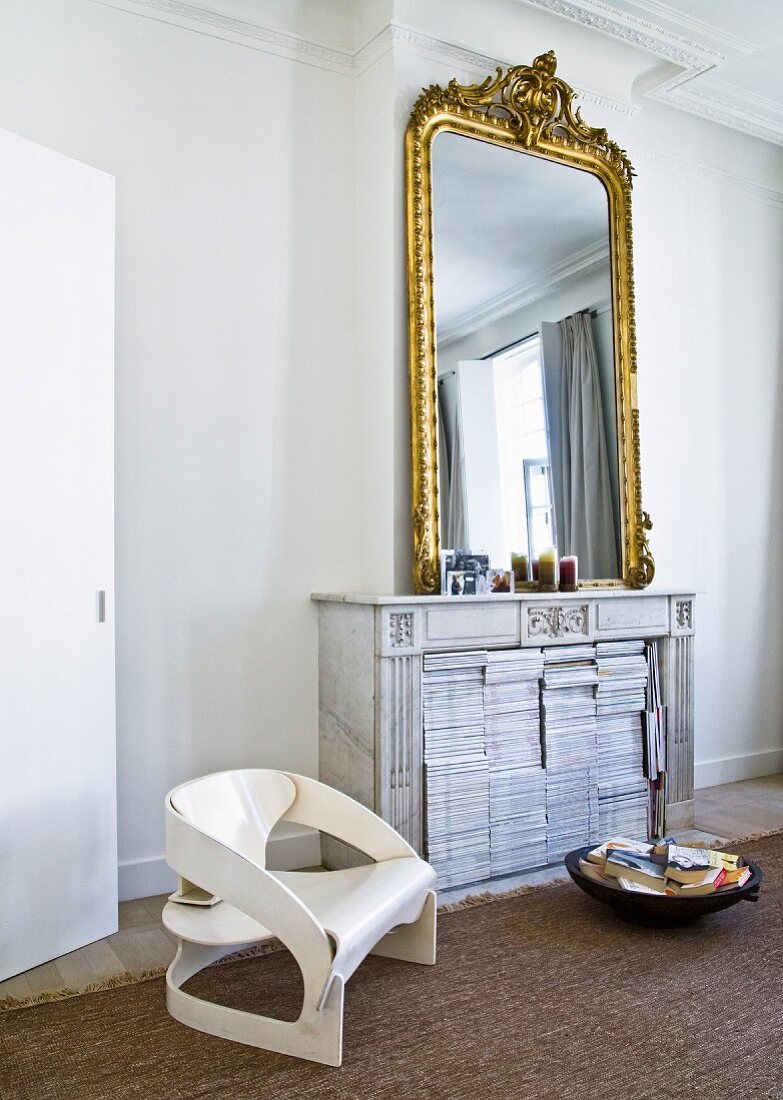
(524,414)
(526,398)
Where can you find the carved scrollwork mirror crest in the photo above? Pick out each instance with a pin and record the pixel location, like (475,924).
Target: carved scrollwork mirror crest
(530,109)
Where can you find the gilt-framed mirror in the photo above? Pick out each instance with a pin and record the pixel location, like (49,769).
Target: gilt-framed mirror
(524,411)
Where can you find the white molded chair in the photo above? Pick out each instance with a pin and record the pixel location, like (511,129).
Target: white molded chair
(216,834)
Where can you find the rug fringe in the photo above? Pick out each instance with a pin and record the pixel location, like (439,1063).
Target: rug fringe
(114,981)
(127,977)
(487,896)
(747,839)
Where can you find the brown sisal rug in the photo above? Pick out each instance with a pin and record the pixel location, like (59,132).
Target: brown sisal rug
(541,996)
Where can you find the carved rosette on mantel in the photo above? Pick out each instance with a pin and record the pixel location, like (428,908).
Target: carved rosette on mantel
(401,629)
(561,621)
(371,652)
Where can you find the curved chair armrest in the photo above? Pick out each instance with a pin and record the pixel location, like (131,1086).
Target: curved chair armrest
(342,817)
(227,874)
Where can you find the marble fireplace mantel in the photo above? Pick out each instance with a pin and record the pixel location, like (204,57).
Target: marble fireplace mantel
(370,663)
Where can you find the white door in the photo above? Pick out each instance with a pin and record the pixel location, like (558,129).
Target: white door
(58,833)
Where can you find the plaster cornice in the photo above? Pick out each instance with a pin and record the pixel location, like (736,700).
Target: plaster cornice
(697,28)
(252,35)
(689,169)
(730,106)
(635,31)
(482,64)
(640,27)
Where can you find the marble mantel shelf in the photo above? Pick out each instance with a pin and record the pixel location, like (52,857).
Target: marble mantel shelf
(379,600)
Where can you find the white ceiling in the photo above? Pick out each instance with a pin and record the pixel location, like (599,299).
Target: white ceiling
(720,59)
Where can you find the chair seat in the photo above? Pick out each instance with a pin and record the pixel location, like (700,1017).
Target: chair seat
(357,906)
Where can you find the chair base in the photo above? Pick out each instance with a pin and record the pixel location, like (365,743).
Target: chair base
(315,1036)
(415,942)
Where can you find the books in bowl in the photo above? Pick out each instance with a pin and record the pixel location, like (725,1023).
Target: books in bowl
(665,883)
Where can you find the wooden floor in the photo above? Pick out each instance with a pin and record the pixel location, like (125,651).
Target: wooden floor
(142,944)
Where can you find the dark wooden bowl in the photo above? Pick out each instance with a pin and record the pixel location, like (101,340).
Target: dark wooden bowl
(652,909)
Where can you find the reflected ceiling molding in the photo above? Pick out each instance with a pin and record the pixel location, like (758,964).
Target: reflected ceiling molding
(693,53)
(522,294)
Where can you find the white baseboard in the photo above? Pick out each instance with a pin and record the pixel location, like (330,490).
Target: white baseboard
(729,769)
(289,847)
(143,878)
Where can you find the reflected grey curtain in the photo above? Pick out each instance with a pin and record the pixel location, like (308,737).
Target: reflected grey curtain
(587,527)
(451,466)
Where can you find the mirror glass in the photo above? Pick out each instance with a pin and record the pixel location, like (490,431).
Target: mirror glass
(526,377)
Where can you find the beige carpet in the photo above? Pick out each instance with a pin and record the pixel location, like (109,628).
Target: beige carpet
(545,995)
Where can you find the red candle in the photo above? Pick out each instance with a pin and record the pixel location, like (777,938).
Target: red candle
(569,571)
(534,567)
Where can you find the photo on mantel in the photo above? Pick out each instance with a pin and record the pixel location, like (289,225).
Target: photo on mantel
(461,582)
(499,581)
(462,561)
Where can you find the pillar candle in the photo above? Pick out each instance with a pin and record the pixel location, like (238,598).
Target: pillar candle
(547,567)
(519,565)
(569,572)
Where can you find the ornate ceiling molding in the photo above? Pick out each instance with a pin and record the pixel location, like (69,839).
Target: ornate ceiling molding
(688,169)
(695,57)
(645,35)
(696,27)
(470,59)
(202,20)
(253,35)
(686,49)
(399,34)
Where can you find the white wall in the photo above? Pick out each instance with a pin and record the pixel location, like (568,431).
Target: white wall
(709,286)
(235,397)
(262,388)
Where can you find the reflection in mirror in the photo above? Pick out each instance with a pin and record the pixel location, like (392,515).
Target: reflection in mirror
(528,452)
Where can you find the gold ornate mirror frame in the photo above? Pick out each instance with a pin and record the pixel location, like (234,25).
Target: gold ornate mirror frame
(530,109)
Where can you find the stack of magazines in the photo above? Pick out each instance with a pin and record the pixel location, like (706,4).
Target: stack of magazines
(568,735)
(517,781)
(456,769)
(620,697)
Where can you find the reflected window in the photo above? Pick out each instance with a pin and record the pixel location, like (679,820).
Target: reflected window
(538,500)
(523,443)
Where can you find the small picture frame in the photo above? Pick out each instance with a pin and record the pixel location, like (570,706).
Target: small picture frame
(464,561)
(461,582)
(499,581)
